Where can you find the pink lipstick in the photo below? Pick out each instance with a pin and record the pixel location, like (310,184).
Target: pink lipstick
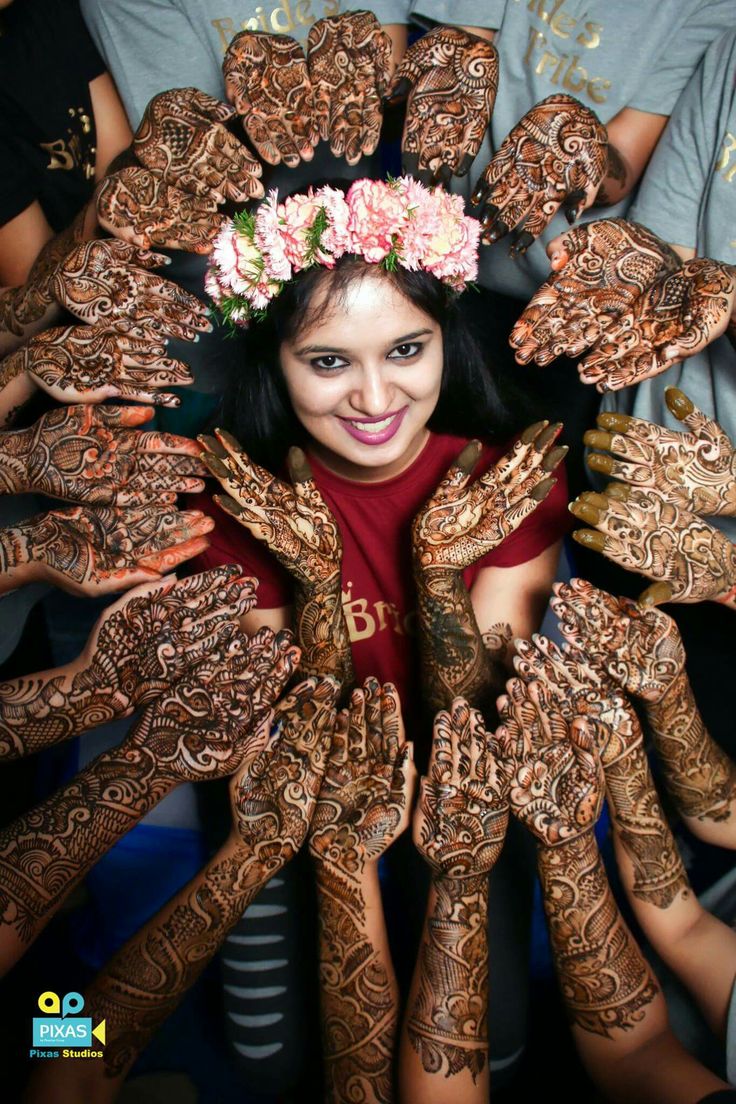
(375,431)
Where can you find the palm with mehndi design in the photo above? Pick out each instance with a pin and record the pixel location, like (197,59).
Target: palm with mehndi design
(138,647)
(451,77)
(93,454)
(461,817)
(209,723)
(182,137)
(363,804)
(640,649)
(88,364)
(90,551)
(578,689)
(676,318)
(599,270)
(267,82)
(349,62)
(140,208)
(273,798)
(696,470)
(103,281)
(557,791)
(643,532)
(556,154)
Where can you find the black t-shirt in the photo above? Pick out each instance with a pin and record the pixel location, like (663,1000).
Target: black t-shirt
(47,131)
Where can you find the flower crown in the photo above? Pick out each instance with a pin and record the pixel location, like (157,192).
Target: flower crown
(394,222)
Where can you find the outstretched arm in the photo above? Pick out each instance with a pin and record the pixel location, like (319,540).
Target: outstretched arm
(273,796)
(641,649)
(459,827)
(617,1011)
(198,730)
(363,806)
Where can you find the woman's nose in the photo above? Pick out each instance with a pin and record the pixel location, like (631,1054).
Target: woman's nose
(373,393)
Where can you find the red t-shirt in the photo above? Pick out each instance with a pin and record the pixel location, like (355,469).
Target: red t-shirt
(375,524)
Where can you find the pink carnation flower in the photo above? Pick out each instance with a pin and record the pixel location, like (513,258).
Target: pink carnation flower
(377,213)
(451,251)
(336,239)
(270,239)
(297,216)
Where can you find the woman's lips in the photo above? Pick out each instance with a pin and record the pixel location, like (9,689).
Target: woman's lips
(375,431)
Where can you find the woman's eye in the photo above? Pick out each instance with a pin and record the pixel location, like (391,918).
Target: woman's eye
(328,362)
(406,350)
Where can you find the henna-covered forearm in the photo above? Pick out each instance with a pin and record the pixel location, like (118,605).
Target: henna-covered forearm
(605,982)
(447,1018)
(698,773)
(142,985)
(322,632)
(455,661)
(30,302)
(642,830)
(46,852)
(359,996)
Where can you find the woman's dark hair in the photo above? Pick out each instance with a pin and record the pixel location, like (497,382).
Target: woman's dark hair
(257,409)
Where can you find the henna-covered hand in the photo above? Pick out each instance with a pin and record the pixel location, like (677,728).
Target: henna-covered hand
(267,83)
(599,270)
(182,137)
(460,821)
(349,62)
(462,521)
(459,827)
(139,646)
(451,78)
(638,648)
(295,523)
(141,208)
(365,799)
(676,318)
(561,685)
(641,531)
(556,154)
(91,454)
(217,716)
(88,364)
(273,798)
(577,689)
(363,807)
(459,524)
(99,551)
(696,470)
(557,782)
(103,281)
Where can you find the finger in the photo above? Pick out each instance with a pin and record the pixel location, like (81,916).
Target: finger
(655,595)
(357,731)
(339,751)
(155,398)
(119,415)
(169,444)
(391,721)
(171,557)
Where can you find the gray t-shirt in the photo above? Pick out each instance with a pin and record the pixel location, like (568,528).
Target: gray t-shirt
(152,45)
(688,197)
(631,53)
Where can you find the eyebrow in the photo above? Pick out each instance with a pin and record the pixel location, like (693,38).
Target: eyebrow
(334,348)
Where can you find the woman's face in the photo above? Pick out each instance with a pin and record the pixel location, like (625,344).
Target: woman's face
(364,379)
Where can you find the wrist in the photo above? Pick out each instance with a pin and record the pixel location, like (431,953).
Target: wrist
(472,883)
(572,849)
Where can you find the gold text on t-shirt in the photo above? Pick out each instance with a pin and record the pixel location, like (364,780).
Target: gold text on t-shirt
(291,17)
(562,64)
(726,165)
